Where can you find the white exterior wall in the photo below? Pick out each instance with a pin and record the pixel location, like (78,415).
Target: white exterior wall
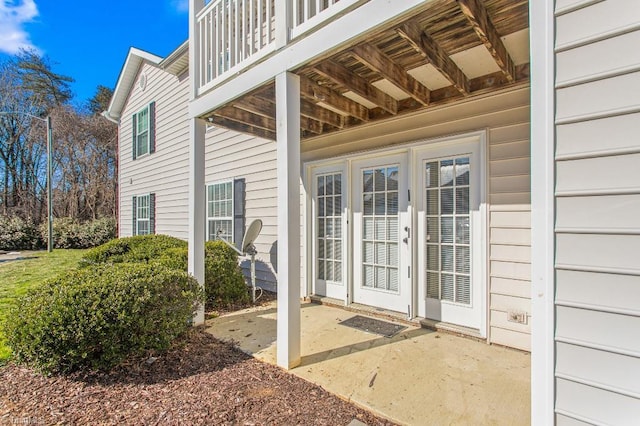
(597,345)
(163,172)
(505,116)
(230,155)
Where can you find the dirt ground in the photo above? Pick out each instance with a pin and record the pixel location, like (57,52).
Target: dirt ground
(200,381)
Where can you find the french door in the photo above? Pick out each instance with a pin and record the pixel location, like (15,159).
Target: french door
(404,231)
(381,232)
(448,240)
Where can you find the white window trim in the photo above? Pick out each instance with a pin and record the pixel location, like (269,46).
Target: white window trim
(146,107)
(148,218)
(233,212)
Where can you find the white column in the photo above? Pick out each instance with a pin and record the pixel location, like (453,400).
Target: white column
(196,165)
(288,165)
(196,206)
(542,211)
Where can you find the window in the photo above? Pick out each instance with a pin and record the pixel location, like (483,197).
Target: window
(329,235)
(220,211)
(225,211)
(144,131)
(144,214)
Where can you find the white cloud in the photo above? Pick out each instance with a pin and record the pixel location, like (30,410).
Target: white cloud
(13,15)
(181,6)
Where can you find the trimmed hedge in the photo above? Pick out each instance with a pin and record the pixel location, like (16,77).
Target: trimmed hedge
(224,282)
(95,318)
(18,234)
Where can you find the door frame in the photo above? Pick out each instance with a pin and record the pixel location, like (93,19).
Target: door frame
(456,146)
(410,148)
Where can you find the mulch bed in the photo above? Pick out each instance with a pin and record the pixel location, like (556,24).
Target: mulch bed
(200,381)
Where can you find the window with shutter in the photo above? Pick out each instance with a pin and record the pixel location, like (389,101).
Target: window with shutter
(225,211)
(144,131)
(142,215)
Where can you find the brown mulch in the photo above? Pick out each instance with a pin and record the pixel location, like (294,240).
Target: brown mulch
(200,381)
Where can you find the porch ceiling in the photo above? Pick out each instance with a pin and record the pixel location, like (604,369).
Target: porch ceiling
(451,50)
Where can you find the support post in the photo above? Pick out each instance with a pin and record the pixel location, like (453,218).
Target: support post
(197,129)
(196,206)
(288,166)
(49,186)
(543,101)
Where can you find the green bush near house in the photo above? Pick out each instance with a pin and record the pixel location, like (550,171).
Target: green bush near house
(224,282)
(96,317)
(141,248)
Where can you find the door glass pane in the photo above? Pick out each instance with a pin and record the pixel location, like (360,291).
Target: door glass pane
(431,175)
(329,231)
(446,173)
(380,228)
(446,201)
(447,239)
(463,289)
(462,171)
(462,200)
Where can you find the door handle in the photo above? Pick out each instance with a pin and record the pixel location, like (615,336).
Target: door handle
(408,231)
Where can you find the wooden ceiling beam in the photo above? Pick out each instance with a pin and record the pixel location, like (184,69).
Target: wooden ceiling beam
(352,81)
(431,51)
(316,112)
(257,106)
(248,118)
(375,59)
(311,125)
(241,127)
(314,92)
(478,17)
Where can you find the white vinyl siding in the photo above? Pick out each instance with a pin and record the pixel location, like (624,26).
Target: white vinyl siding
(220,211)
(505,116)
(165,172)
(229,154)
(597,369)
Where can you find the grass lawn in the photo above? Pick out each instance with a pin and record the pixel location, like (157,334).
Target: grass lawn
(17,276)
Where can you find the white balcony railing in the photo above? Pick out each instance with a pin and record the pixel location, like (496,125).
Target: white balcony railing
(232,34)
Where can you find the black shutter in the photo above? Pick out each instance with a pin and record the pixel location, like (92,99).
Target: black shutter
(152,127)
(134,149)
(135,211)
(152,213)
(238,211)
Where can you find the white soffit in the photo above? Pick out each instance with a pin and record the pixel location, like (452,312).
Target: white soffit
(359,99)
(429,77)
(390,89)
(517,45)
(475,62)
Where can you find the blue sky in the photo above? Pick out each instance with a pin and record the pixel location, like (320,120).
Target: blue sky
(89,40)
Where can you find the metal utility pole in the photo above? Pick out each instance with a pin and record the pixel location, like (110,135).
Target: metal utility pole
(49,186)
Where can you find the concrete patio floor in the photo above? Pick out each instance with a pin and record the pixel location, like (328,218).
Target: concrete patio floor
(417,377)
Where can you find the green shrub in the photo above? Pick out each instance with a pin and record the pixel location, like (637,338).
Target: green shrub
(18,234)
(70,233)
(94,318)
(224,281)
(141,248)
